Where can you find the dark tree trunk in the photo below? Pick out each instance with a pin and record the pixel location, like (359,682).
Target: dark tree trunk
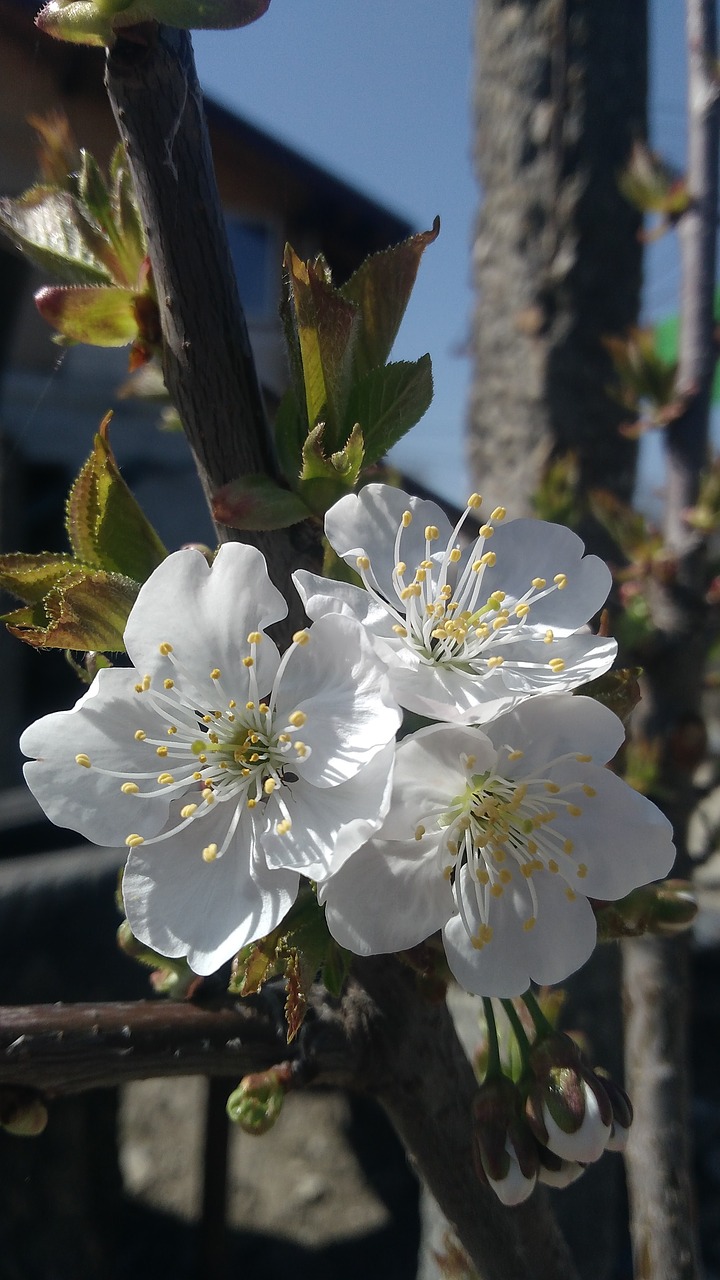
(560,96)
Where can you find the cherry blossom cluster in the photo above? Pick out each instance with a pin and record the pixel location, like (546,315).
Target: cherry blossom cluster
(230,771)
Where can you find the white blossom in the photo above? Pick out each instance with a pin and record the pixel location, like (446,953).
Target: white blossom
(225,769)
(467,632)
(498,837)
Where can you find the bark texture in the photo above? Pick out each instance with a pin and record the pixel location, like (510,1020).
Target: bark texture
(560,96)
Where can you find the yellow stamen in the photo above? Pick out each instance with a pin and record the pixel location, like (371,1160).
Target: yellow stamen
(254,637)
(538,583)
(129,788)
(133,841)
(165,779)
(209,853)
(498,514)
(248,662)
(188,810)
(168,684)
(215,673)
(363,562)
(165,648)
(83,760)
(560,581)
(557,665)
(297,719)
(140,735)
(269,786)
(161,751)
(301,637)
(474,501)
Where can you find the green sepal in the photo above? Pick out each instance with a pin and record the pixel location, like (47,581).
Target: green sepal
(256,502)
(101,315)
(46,225)
(105,524)
(388,401)
(381,289)
(85,22)
(323,479)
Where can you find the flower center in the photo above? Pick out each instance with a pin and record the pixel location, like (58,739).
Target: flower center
(440,609)
(499,833)
(233,751)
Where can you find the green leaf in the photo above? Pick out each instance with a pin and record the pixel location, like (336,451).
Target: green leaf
(30,577)
(256,502)
(87,610)
(101,315)
(389,401)
(47,226)
(381,288)
(327,327)
(290,430)
(93,191)
(85,22)
(129,222)
(105,524)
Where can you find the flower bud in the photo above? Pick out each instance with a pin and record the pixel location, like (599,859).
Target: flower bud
(257,1102)
(556,1172)
(666,909)
(22,1111)
(504,1151)
(622,1112)
(567,1107)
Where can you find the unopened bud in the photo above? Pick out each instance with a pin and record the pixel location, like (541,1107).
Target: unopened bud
(504,1151)
(567,1107)
(622,1112)
(22,1111)
(665,909)
(556,1172)
(257,1102)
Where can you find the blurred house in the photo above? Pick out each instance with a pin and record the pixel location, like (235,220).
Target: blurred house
(52,400)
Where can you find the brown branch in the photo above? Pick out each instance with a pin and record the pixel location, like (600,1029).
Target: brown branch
(656,982)
(207,360)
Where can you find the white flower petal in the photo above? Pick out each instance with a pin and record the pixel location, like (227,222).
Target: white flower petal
(182,906)
(101,727)
(515,1187)
(206,614)
(528,549)
(322,595)
(588,1142)
(330,823)
(428,773)
(366,524)
(548,727)
(387,897)
(337,681)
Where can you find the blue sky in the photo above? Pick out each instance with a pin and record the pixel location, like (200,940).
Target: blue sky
(379,93)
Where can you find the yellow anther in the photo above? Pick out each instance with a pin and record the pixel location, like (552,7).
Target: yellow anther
(496,599)
(419,832)
(165,779)
(83,760)
(168,684)
(474,501)
(557,665)
(400,568)
(432,533)
(498,514)
(283,827)
(213,738)
(497,891)
(539,583)
(283,737)
(133,841)
(489,558)
(568,846)
(188,810)
(215,673)
(207,719)
(420,575)
(582,870)
(486,531)
(254,637)
(269,786)
(553,866)
(505,876)
(583,759)
(522,610)
(552,788)
(208,795)
(248,662)
(363,562)
(172,729)
(210,853)
(139,688)
(301,749)
(589,791)
(571,895)
(455,555)
(532,847)
(301,637)
(549,636)
(146,683)
(232,704)
(254,757)
(140,735)
(499,623)
(399,629)
(249,706)
(251,803)
(574,810)
(297,719)
(129,788)
(165,648)
(202,759)
(527,869)
(560,581)
(516,755)
(161,751)
(529,924)
(495,661)
(476,566)
(483,876)
(197,776)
